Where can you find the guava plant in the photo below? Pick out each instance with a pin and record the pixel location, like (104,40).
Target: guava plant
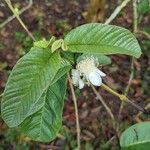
(33,99)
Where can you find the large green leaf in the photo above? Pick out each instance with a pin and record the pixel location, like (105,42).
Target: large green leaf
(103,39)
(64,68)
(28,80)
(69,56)
(137,137)
(45,124)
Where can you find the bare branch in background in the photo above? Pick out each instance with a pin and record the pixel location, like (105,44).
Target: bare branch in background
(117,11)
(76,111)
(103,103)
(128,86)
(19,19)
(19,13)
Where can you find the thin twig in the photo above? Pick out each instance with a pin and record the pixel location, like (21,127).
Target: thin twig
(110,140)
(128,86)
(19,19)
(144,33)
(76,111)
(1,94)
(19,13)
(107,109)
(124,98)
(135,17)
(140,113)
(135,30)
(135,21)
(131,77)
(117,11)
(103,102)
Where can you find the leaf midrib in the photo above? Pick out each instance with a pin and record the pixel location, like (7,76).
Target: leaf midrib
(25,95)
(36,79)
(133,52)
(96,44)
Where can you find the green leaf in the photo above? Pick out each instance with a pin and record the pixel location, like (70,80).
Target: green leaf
(64,46)
(143,7)
(69,56)
(136,137)
(41,44)
(45,124)
(44,43)
(28,80)
(96,38)
(102,59)
(64,68)
(56,45)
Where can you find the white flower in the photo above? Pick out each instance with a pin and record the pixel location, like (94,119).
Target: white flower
(77,81)
(88,68)
(95,77)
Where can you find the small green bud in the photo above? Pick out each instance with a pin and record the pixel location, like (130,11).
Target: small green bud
(64,46)
(56,45)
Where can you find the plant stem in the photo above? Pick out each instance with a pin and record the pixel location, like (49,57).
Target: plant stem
(128,86)
(122,97)
(146,107)
(19,13)
(1,95)
(144,33)
(131,77)
(117,11)
(76,111)
(135,30)
(19,19)
(135,17)
(135,21)
(110,140)
(103,102)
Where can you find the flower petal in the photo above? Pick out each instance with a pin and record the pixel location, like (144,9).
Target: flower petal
(95,78)
(75,77)
(75,73)
(100,73)
(81,84)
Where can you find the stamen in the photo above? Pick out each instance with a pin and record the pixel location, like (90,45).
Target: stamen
(87,65)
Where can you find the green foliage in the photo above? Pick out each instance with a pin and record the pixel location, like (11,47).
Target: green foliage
(64,68)
(34,94)
(69,56)
(145,43)
(27,83)
(45,123)
(146,81)
(143,7)
(44,43)
(136,137)
(59,44)
(56,45)
(98,38)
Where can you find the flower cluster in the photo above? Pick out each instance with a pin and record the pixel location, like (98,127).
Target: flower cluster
(87,72)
